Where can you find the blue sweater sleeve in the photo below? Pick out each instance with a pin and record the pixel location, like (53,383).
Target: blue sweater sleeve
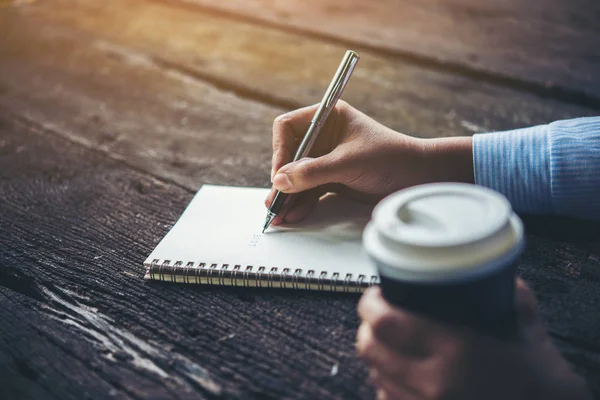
(544,169)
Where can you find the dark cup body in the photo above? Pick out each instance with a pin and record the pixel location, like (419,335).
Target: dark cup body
(482,302)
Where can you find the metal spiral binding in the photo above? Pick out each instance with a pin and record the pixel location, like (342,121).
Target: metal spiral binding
(251,276)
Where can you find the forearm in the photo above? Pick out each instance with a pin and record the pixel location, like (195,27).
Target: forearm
(517,164)
(544,169)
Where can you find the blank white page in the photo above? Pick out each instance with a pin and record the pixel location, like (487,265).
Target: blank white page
(222,225)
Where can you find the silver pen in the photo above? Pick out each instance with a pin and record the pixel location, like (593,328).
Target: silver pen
(332,95)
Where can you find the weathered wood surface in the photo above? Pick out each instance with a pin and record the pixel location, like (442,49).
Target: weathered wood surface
(287,70)
(551,44)
(157,119)
(108,124)
(78,320)
(562,265)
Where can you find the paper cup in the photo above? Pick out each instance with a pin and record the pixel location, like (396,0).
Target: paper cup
(448,251)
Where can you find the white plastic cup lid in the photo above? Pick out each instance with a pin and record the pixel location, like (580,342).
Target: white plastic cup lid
(438,229)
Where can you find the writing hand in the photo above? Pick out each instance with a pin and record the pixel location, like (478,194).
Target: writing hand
(358,157)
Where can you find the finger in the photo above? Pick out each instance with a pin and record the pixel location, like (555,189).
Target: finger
(288,204)
(270,197)
(309,173)
(304,204)
(279,219)
(394,389)
(526,303)
(400,330)
(333,188)
(288,130)
(378,355)
(373,375)
(381,395)
(295,207)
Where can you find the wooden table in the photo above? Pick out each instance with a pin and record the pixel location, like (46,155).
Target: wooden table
(114,112)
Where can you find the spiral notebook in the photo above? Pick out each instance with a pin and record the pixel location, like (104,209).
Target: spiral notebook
(218,241)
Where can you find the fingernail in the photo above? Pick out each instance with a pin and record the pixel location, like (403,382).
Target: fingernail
(282,182)
(373,375)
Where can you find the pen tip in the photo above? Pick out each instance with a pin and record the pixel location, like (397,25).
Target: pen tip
(268,221)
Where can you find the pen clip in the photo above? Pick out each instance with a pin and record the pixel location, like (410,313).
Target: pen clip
(341,78)
(331,99)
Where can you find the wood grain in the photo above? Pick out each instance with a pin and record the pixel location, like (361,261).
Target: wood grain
(80,322)
(110,119)
(289,70)
(122,103)
(553,44)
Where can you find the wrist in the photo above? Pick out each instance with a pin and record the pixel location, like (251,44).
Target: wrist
(448,159)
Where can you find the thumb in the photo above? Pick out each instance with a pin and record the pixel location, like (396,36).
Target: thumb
(527,308)
(309,173)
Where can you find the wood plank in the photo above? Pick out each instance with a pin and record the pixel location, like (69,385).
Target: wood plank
(157,119)
(289,70)
(82,226)
(78,320)
(554,44)
(562,266)
(71,291)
